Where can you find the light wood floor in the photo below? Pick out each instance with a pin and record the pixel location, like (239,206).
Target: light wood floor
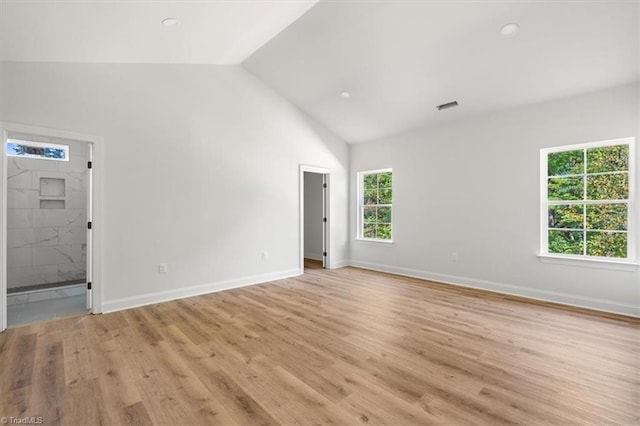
(343,346)
(312,264)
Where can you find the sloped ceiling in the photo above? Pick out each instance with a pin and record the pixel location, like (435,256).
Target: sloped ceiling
(399,59)
(208,32)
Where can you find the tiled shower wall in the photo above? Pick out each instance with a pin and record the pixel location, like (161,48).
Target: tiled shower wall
(46,217)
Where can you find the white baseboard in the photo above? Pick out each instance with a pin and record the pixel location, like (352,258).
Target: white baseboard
(181,293)
(543,295)
(335,264)
(313,256)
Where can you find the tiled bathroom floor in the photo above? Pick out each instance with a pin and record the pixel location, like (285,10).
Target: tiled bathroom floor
(24,308)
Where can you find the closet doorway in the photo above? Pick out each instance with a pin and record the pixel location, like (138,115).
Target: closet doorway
(314,217)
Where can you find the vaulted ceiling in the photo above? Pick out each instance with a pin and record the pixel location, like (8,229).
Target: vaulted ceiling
(130,31)
(397,59)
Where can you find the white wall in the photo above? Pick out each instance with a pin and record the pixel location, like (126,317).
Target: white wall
(313,215)
(472,188)
(201,170)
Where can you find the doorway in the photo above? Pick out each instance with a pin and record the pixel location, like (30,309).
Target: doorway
(47,235)
(314,218)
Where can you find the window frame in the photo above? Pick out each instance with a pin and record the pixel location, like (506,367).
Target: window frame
(584,259)
(360,206)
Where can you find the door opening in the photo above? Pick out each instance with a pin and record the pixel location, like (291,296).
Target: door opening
(47,244)
(314,217)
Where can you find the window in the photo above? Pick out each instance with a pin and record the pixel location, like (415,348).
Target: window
(375,203)
(30,149)
(587,201)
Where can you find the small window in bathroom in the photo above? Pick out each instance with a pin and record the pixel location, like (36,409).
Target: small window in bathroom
(30,149)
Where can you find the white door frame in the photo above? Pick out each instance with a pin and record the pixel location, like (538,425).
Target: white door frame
(327,213)
(94,253)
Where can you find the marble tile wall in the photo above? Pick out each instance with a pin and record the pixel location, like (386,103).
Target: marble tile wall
(46,243)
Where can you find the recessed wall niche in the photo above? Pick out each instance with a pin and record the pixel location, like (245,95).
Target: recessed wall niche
(52,204)
(51,187)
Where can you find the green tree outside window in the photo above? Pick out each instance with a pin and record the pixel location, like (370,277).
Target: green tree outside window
(376,205)
(587,201)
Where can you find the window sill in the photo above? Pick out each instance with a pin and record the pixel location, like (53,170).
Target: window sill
(618,265)
(374,242)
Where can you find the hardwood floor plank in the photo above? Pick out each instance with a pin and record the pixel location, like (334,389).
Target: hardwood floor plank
(23,358)
(78,364)
(136,415)
(309,405)
(113,368)
(49,381)
(196,360)
(17,402)
(345,347)
(312,378)
(150,379)
(83,400)
(190,389)
(368,402)
(242,407)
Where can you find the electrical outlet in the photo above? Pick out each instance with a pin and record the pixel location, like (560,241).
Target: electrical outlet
(163,268)
(454,257)
(265,256)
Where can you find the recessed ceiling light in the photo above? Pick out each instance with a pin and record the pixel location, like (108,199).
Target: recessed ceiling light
(345,95)
(509,30)
(170,22)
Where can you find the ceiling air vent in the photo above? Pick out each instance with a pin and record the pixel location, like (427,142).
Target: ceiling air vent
(447,105)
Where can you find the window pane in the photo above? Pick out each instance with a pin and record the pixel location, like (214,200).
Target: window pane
(566,216)
(565,242)
(384,180)
(369,214)
(369,230)
(370,197)
(610,217)
(607,244)
(608,187)
(565,188)
(384,232)
(39,150)
(385,196)
(565,163)
(375,219)
(580,220)
(370,181)
(608,159)
(384,214)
